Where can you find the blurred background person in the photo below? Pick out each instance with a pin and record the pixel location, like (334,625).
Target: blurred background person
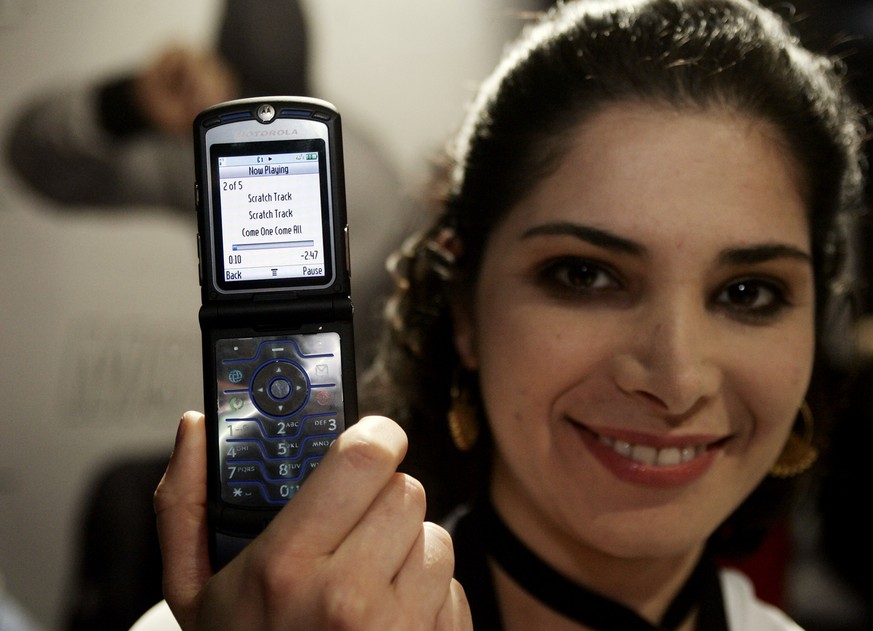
(124,143)
(100,341)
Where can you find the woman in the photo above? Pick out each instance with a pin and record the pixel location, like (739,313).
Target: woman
(619,310)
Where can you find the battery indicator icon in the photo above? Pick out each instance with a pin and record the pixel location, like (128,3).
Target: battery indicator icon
(312,156)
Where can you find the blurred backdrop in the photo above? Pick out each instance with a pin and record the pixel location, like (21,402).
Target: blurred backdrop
(99,345)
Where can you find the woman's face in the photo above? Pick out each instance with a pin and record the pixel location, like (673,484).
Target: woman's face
(643,329)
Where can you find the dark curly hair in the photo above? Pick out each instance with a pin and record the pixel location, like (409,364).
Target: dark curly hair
(576,60)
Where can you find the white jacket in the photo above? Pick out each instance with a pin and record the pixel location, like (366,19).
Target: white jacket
(744,611)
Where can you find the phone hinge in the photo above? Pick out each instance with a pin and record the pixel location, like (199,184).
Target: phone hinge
(279,312)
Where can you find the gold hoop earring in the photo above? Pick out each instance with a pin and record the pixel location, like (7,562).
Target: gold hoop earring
(799,453)
(462,415)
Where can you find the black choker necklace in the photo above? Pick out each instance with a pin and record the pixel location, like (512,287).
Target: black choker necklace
(701,590)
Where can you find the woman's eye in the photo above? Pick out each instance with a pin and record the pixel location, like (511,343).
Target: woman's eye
(753,298)
(572,274)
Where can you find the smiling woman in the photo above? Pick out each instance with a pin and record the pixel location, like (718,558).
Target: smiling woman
(641,234)
(599,349)
(662,375)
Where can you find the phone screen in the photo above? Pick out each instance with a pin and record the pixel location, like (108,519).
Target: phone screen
(271,214)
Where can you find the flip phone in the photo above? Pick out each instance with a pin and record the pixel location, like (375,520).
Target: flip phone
(276,315)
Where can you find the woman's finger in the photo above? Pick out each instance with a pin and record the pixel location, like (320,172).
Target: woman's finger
(423,582)
(383,537)
(180,507)
(455,613)
(340,491)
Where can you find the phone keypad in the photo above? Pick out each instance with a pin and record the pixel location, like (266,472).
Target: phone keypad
(280,407)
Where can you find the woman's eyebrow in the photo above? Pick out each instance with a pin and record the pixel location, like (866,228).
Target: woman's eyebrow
(601,238)
(594,236)
(762,253)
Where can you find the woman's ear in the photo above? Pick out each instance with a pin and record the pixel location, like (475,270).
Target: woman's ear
(464,334)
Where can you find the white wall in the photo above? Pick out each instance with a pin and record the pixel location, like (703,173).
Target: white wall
(99,342)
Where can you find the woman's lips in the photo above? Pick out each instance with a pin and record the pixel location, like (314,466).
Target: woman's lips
(652,461)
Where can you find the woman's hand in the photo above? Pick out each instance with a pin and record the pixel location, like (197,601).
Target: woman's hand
(350,551)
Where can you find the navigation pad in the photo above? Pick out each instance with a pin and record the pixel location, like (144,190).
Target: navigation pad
(279,388)
(280,407)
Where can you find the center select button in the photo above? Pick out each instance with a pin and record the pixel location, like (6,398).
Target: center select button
(280,388)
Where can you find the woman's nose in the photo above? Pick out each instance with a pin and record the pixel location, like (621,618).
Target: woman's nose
(671,361)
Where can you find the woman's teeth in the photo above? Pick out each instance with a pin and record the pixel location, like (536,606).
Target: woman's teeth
(645,454)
